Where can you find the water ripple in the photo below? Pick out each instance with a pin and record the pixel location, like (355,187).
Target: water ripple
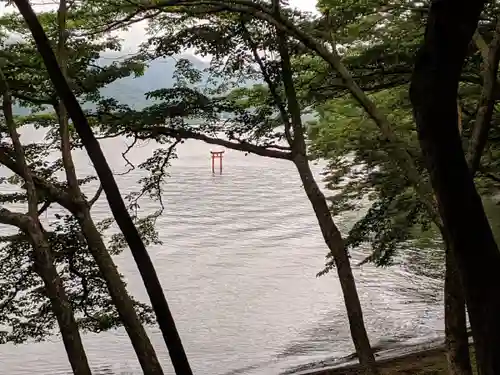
(238,266)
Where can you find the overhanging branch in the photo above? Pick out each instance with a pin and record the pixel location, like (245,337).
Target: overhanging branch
(486,104)
(240,146)
(272,85)
(53,192)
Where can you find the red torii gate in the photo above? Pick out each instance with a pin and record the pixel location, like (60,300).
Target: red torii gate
(217,155)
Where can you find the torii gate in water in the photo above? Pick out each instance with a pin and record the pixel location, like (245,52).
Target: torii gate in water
(217,155)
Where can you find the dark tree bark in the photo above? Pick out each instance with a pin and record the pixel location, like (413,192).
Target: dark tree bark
(455,321)
(457,339)
(336,245)
(331,233)
(61,306)
(138,337)
(116,203)
(43,260)
(81,210)
(433,93)
(54,289)
(487,101)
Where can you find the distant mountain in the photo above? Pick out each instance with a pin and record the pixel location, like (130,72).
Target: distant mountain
(130,90)
(158,75)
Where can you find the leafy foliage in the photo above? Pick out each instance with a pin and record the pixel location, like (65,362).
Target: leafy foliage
(25,308)
(25,311)
(361,173)
(243,101)
(379,41)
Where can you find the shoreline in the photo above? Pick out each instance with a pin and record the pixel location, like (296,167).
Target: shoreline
(420,362)
(423,359)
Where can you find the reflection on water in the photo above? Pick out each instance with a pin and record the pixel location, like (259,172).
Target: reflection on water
(238,266)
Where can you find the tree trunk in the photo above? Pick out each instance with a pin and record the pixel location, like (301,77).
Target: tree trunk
(486,104)
(330,232)
(43,262)
(457,340)
(44,267)
(124,305)
(335,243)
(121,299)
(120,213)
(456,337)
(433,93)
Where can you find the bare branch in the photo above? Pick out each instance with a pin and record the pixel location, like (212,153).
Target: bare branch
(96,196)
(18,148)
(125,153)
(123,23)
(277,147)
(44,207)
(272,86)
(240,146)
(481,45)
(158,178)
(13,218)
(486,104)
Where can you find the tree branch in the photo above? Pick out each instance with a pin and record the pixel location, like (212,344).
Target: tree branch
(36,101)
(18,148)
(241,146)
(272,86)
(126,21)
(44,207)
(15,219)
(62,114)
(481,45)
(113,195)
(487,100)
(96,195)
(298,144)
(53,192)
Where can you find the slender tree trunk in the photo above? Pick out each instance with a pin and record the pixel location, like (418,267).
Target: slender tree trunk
(457,340)
(120,213)
(330,232)
(54,289)
(44,267)
(335,243)
(124,305)
(486,105)
(44,264)
(121,299)
(456,337)
(433,92)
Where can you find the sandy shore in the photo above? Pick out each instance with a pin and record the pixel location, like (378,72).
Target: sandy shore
(430,360)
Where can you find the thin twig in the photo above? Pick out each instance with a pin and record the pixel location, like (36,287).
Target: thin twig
(272,85)
(18,148)
(96,196)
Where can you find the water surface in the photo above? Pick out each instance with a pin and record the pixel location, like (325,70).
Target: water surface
(238,266)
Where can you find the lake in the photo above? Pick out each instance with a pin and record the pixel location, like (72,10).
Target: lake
(238,267)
